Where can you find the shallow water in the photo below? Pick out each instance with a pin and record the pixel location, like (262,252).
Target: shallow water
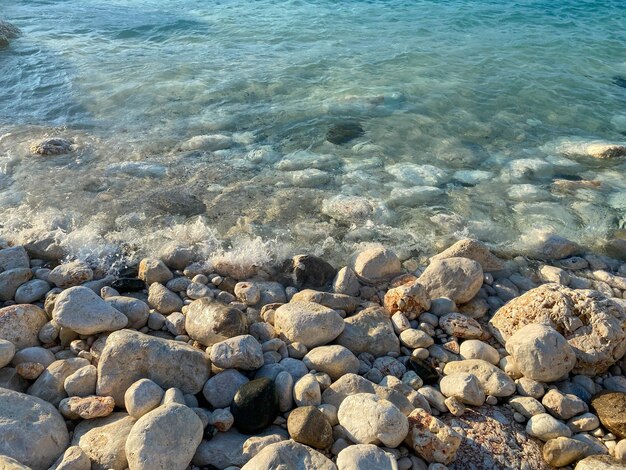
(464,107)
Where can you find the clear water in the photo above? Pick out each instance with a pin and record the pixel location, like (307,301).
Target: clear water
(465,106)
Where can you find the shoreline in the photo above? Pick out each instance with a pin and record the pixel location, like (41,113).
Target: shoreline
(301,355)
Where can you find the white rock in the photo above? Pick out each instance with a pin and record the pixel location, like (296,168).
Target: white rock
(220,389)
(476,349)
(7,351)
(494,381)
(142,397)
(376,264)
(545,427)
(463,386)
(365,457)
(154,270)
(163,300)
(369,419)
(346,282)
(541,353)
(81,383)
(241,352)
(458,279)
(307,392)
(289,455)
(334,360)
(308,323)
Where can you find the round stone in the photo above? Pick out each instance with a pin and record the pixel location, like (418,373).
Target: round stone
(255,406)
(309,426)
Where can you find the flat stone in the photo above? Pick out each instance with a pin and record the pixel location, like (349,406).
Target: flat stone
(129,356)
(307,425)
(365,457)
(81,310)
(164,438)
(32,430)
(369,331)
(328,299)
(494,381)
(460,326)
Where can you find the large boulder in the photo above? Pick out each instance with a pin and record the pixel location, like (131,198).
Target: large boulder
(209,322)
(81,310)
(20,324)
(491,438)
(593,325)
(291,455)
(129,356)
(308,323)
(166,438)
(32,431)
(369,331)
(103,440)
(365,457)
(611,409)
(472,249)
(458,279)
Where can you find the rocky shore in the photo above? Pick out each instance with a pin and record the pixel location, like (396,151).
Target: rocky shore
(469,361)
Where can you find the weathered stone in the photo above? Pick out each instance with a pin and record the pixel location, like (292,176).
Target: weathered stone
(307,425)
(20,324)
(458,279)
(31,291)
(369,419)
(81,310)
(163,300)
(369,331)
(545,427)
(86,407)
(209,322)
(460,326)
(328,299)
(563,406)
(308,323)
(103,440)
(81,383)
(611,409)
(475,250)
(154,270)
(431,438)
(241,352)
(50,384)
(494,381)
(291,455)
(136,310)
(346,282)
(465,387)
(376,264)
(563,451)
(255,406)
(70,274)
(164,438)
(129,356)
(334,360)
(13,257)
(600,462)
(32,430)
(11,280)
(410,299)
(220,389)
(74,458)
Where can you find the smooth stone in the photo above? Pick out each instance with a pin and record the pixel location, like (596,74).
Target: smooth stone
(541,353)
(81,383)
(11,280)
(600,462)
(593,324)
(308,425)
(458,279)
(563,451)
(81,310)
(494,381)
(20,324)
(255,406)
(74,458)
(13,258)
(164,438)
(365,457)
(70,274)
(309,271)
(284,388)
(369,419)
(7,352)
(50,385)
(308,323)
(7,463)
(474,250)
(103,440)
(334,360)
(369,331)
(476,349)
(31,291)
(136,310)
(376,264)
(289,455)
(242,352)
(328,299)
(610,407)
(142,397)
(563,406)
(431,438)
(86,407)
(545,427)
(154,270)
(32,430)
(209,322)
(307,391)
(346,282)
(465,387)
(164,300)
(220,389)
(129,356)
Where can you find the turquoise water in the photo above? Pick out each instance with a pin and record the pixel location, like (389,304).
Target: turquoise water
(468,110)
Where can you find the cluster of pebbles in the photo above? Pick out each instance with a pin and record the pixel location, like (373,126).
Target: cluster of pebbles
(470,362)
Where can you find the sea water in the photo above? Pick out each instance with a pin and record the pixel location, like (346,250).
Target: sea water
(206,122)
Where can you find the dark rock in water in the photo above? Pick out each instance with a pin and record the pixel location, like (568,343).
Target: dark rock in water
(573,388)
(54,146)
(344,132)
(128,271)
(7,31)
(610,407)
(127,284)
(567,177)
(619,81)
(255,406)
(309,271)
(177,202)
(426,372)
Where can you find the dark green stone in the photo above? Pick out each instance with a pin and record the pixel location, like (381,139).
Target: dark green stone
(344,132)
(426,372)
(255,406)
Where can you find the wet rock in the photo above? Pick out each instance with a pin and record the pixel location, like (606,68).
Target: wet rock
(593,324)
(241,352)
(369,331)
(220,389)
(129,356)
(86,407)
(164,300)
(494,381)
(128,284)
(308,323)
(164,438)
(70,274)
(475,250)
(458,279)
(32,430)
(291,455)
(175,202)
(491,439)
(541,353)
(11,280)
(369,419)
(611,409)
(81,310)
(376,265)
(13,258)
(210,322)
(103,440)
(308,425)
(344,132)
(52,146)
(431,438)
(255,406)
(177,257)
(309,271)
(50,385)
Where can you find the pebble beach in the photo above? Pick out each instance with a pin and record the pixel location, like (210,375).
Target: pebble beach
(469,361)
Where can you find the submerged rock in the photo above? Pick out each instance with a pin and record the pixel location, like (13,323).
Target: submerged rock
(53,146)
(344,132)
